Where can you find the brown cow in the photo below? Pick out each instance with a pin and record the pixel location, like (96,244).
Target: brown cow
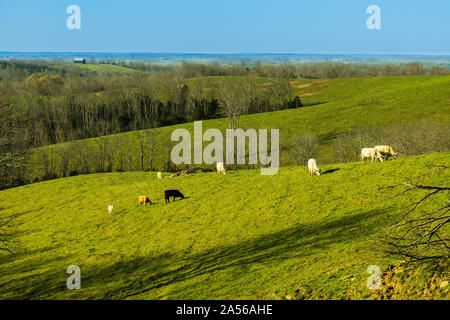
(144,200)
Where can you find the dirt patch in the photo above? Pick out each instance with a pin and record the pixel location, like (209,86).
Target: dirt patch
(304,85)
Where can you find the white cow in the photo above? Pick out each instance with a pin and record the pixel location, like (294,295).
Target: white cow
(159,175)
(220,167)
(110,208)
(372,153)
(387,151)
(313,168)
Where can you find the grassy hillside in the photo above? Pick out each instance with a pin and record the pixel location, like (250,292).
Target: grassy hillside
(240,235)
(332,107)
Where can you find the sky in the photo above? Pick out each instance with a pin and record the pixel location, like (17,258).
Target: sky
(232,26)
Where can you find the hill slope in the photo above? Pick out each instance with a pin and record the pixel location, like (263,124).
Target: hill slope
(235,236)
(332,107)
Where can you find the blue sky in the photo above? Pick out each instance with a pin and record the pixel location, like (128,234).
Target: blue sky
(217,26)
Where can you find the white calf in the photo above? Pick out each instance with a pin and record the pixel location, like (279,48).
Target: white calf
(159,175)
(110,208)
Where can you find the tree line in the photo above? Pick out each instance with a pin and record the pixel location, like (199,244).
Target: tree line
(20,69)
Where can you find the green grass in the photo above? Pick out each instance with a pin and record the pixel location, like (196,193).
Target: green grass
(235,236)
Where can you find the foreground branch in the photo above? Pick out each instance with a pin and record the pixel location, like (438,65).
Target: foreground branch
(423,236)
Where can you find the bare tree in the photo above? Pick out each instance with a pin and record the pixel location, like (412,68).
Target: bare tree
(81,149)
(305,146)
(64,156)
(169,146)
(101,153)
(48,161)
(421,235)
(234,97)
(152,138)
(109,152)
(281,85)
(142,144)
(119,142)
(13,144)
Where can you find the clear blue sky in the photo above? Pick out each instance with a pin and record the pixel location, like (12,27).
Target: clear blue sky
(218,26)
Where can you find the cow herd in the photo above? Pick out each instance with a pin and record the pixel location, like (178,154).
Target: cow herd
(376,153)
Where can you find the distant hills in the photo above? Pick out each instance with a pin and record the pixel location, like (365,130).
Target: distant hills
(229,58)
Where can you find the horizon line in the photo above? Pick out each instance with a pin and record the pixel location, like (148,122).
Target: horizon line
(236,53)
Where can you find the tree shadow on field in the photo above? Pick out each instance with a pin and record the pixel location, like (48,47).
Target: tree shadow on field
(32,278)
(296,242)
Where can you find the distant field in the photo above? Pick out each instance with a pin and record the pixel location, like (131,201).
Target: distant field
(235,236)
(104,68)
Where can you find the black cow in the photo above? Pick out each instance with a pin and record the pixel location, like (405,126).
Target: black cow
(172,193)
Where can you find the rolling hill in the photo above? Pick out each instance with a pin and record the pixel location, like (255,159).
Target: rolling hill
(332,107)
(235,236)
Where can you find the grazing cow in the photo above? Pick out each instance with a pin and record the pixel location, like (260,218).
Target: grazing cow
(144,200)
(372,153)
(313,168)
(159,175)
(220,167)
(172,193)
(387,151)
(110,208)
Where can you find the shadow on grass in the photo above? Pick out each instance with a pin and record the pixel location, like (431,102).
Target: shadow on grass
(181,199)
(330,171)
(312,104)
(296,242)
(25,283)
